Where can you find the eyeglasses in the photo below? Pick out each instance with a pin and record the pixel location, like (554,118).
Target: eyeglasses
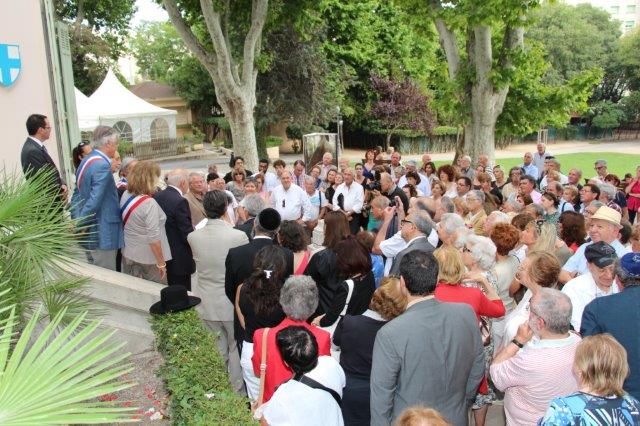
(404,221)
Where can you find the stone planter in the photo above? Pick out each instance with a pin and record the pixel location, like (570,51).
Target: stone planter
(273,152)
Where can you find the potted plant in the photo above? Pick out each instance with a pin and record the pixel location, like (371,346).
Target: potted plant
(272,144)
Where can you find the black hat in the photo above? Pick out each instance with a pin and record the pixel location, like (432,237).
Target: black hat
(269,219)
(600,254)
(174,298)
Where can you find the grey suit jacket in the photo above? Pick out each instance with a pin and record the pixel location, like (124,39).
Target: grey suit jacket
(432,354)
(210,246)
(421,244)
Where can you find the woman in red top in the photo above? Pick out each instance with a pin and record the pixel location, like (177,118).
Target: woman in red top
(450,288)
(454,285)
(633,196)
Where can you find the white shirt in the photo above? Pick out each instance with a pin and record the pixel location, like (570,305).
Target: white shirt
(317,201)
(270,181)
(295,403)
(516,317)
(424,186)
(578,263)
(353,197)
(231,208)
(394,245)
(292,204)
(538,160)
(563,180)
(582,290)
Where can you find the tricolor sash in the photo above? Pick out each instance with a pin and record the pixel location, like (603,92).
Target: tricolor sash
(81,171)
(130,205)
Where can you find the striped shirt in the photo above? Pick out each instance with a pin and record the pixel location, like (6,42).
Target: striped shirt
(534,377)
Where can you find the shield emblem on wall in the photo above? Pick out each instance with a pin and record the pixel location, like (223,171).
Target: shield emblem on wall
(10,64)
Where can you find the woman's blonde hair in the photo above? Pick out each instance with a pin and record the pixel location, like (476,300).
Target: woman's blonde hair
(601,364)
(544,268)
(388,300)
(546,237)
(421,416)
(450,264)
(143,179)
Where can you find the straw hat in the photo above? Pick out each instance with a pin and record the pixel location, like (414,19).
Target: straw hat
(607,214)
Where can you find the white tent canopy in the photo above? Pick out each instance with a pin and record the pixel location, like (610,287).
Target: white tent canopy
(136,119)
(87,115)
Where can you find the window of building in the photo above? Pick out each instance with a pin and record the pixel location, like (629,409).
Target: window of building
(159,130)
(615,10)
(124,129)
(631,8)
(629,24)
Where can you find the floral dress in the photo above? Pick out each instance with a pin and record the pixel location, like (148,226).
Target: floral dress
(590,410)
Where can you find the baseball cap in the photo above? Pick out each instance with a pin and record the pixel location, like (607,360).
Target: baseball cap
(600,254)
(630,262)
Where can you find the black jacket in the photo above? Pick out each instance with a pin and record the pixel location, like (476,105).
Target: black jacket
(323,269)
(239,264)
(398,192)
(178,226)
(362,291)
(247,228)
(33,158)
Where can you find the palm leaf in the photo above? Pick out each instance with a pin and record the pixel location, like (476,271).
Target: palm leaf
(54,380)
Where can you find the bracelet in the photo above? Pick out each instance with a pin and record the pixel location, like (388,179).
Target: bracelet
(159,266)
(518,344)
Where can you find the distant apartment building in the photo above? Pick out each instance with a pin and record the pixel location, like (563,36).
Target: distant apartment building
(625,11)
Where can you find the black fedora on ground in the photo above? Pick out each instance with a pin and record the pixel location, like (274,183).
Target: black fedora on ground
(174,298)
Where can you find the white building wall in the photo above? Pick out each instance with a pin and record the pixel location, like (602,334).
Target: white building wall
(625,11)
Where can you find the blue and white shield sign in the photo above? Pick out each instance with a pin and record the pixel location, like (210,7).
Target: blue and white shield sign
(10,64)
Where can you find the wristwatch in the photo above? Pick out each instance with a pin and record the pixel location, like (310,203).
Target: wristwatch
(518,344)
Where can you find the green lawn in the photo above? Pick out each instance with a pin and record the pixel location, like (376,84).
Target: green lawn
(618,164)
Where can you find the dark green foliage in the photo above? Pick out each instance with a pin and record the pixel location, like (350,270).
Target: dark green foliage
(193,367)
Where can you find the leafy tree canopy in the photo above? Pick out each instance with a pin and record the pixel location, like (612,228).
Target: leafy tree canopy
(98,30)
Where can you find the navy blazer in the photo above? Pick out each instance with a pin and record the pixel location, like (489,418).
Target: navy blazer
(96,203)
(618,315)
(178,226)
(34,157)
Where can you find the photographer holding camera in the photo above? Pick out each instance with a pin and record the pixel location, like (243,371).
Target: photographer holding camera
(385,186)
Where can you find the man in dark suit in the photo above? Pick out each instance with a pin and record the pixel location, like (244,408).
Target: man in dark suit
(414,230)
(390,190)
(34,156)
(178,226)
(618,315)
(239,262)
(253,204)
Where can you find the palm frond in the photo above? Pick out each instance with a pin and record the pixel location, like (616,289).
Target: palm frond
(54,380)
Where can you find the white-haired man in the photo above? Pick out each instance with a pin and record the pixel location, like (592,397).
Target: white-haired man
(290,200)
(178,227)
(95,200)
(531,378)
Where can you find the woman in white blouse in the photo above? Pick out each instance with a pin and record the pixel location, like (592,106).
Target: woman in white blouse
(146,249)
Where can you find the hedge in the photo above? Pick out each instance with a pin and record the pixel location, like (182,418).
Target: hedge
(192,368)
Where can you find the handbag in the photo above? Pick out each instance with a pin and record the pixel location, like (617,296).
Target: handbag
(263,370)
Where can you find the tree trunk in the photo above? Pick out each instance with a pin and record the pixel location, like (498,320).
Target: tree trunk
(242,124)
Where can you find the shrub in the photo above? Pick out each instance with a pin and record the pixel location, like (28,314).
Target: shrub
(193,367)
(273,141)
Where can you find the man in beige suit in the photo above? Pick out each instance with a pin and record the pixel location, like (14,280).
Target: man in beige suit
(210,246)
(477,215)
(197,189)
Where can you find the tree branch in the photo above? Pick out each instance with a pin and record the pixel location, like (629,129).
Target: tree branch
(223,55)
(225,33)
(448,41)
(252,41)
(189,38)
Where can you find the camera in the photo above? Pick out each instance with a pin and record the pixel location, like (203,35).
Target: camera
(392,203)
(373,186)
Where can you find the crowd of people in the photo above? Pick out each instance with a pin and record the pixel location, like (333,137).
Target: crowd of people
(436,291)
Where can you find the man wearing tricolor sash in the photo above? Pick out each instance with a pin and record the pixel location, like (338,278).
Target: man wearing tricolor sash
(95,200)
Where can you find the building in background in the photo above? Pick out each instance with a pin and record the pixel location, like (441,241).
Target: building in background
(165,96)
(625,11)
